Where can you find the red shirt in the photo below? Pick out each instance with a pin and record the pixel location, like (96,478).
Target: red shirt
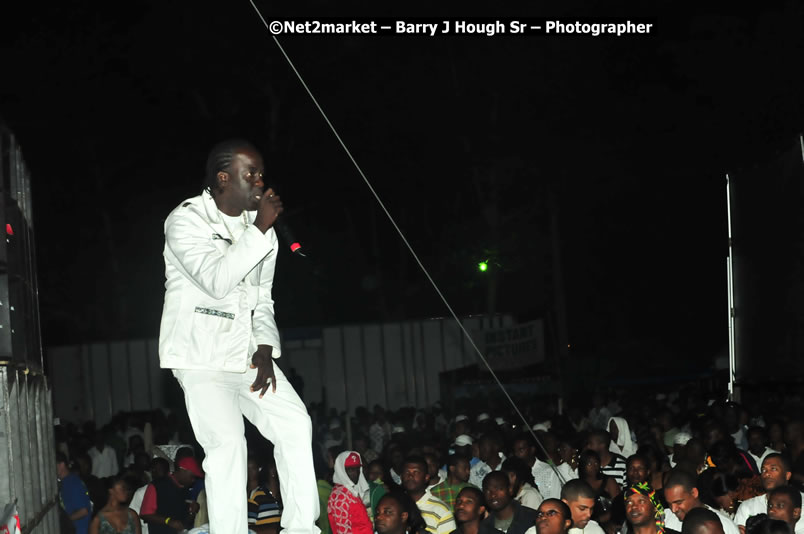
(347,514)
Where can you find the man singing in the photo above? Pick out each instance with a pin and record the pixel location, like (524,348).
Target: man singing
(219,336)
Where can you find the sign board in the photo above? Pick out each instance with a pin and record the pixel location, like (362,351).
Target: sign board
(513,347)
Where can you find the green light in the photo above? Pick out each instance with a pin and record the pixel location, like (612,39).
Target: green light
(483,266)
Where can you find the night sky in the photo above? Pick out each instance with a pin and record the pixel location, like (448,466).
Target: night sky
(474,143)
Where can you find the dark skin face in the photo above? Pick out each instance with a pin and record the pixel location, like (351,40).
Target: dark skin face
(241,184)
(468,508)
(581,509)
(374,472)
(252,470)
(524,451)
(119,493)
(781,507)
(756,442)
(414,478)
(184,477)
(614,431)
(432,467)
(389,518)
(353,473)
(637,471)
(639,510)
(596,444)
(550,520)
(773,474)
(589,468)
(498,494)
(461,471)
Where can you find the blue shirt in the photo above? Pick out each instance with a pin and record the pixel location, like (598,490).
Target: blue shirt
(74,496)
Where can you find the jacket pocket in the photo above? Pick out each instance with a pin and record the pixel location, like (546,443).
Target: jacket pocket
(209,335)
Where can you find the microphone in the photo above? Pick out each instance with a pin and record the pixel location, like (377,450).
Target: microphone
(287,235)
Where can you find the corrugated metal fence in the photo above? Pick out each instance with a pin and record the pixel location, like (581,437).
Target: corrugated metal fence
(392,364)
(27,450)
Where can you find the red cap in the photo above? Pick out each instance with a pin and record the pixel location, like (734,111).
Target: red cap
(190,465)
(353,460)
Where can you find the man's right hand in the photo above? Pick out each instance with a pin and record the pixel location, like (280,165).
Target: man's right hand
(268,210)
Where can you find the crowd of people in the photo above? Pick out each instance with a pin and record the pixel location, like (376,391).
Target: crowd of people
(618,463)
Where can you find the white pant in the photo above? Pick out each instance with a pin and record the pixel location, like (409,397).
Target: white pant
(216,401)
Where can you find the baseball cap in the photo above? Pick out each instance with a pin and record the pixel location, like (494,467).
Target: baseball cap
(353,460)
(462,440)
(483,417)
(190,465)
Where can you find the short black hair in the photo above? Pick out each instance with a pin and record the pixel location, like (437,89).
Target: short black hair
(527,438)
(776,456)
(523,472)
(416,523)
(479,496)
(794,494)
(696,519)
(680,477)
(412,459)
(577,489)
(637,456)
(756,524)
(220,159)
(602,435)
(565,509)
(453,459)
(492,438)
(496,475)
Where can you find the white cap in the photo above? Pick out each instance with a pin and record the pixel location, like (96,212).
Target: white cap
(499,420)
(483,417)
(459,418)
(463,440)
(541,426)
(397,429)
(682,438)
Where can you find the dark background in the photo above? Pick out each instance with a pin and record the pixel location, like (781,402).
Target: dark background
(475,144)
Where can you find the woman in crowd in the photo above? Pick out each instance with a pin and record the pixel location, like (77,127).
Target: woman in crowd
(605,486)
(521,477)
(718,490)
(116,517)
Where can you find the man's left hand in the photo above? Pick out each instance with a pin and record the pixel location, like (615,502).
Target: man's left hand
(264,363)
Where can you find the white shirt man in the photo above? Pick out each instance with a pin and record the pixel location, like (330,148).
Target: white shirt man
(104,462)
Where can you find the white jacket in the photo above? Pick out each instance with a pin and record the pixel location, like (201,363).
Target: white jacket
(218,305)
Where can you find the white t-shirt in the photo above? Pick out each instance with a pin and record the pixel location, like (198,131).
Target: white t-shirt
(104,463)
(672,521)
(591,528)
(546,479)
(136,505)
(529,496)
(759,505)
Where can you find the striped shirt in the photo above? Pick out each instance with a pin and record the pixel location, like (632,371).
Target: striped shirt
(615,468)
(263,509)
(436,514)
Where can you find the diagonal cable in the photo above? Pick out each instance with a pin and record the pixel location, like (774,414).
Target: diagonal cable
(407,244)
